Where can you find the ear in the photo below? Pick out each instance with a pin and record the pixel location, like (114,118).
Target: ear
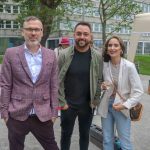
(42,33)
(22,32)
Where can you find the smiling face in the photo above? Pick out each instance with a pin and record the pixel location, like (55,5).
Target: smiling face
(82,36)
(32,32)
(114,49)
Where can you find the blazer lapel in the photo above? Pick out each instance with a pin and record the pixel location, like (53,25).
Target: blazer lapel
(23,61)
(121,73)
(44,62)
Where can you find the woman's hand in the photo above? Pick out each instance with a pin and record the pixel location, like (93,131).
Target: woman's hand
(105,85)
(118,107)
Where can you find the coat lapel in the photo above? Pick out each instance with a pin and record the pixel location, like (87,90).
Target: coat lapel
(23,61)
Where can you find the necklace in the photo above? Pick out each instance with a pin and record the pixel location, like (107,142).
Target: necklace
(115,66)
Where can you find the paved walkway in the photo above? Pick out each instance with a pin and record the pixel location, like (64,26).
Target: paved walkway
(140,130)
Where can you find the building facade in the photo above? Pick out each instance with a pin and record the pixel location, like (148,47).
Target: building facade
(10,34)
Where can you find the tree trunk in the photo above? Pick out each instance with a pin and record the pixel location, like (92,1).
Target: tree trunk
(46,31)
(104,32)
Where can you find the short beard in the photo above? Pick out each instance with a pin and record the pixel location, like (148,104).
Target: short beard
(35,43)
(81,44)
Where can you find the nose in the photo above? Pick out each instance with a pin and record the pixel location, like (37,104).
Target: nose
(33,31)
(82,36)
(112,47)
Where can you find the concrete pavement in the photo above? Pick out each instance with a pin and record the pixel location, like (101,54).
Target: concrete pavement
(140,129)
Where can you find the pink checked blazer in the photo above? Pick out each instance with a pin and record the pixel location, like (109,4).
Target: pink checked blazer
(19,94)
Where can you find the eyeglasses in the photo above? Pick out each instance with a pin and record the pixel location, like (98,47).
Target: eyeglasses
(31,29)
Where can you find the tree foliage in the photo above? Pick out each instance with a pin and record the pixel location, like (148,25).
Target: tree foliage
(3,0)
(39,9)
(51,12)
(125,10)
(51,3)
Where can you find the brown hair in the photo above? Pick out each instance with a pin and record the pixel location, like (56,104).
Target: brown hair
(105,55)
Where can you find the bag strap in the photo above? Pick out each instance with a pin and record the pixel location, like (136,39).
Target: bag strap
(117,90)
(113,82)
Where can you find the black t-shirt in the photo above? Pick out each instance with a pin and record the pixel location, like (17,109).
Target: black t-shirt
(77,80)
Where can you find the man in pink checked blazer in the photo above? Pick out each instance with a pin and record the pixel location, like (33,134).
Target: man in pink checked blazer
(29,86)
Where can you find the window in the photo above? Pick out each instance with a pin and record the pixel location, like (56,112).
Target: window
(124,30)
(71,41)
(96,0)
(126,45)
(96,27)
(23,9)
(73,23)
(1,8)
(15,25)
(8,24)
(77,11)
(95,12)
(117,17)
(8,9)
(15,9)
(139,48)
(145,8)
(64,26)
(9,42)
(98,43)
(53,43)
(108,28)
(13,41)
(88,12)
(1,24)
(146,48)
(148,8)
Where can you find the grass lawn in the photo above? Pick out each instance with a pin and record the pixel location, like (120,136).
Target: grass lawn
(142,60)
(1,58)
(144,64)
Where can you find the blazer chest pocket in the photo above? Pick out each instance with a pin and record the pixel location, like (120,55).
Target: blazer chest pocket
(46,97)
(16,97)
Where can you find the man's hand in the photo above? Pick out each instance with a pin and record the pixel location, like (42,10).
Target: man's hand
(5,120)
(53,119)
(65,107)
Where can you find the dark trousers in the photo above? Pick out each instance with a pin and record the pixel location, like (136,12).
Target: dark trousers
(43,132)
(68,118)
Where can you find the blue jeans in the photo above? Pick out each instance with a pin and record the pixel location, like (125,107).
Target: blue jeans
(68,118)
(123,127)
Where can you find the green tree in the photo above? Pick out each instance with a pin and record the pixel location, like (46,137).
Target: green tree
(123,9)
(49,11)
(36,8)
